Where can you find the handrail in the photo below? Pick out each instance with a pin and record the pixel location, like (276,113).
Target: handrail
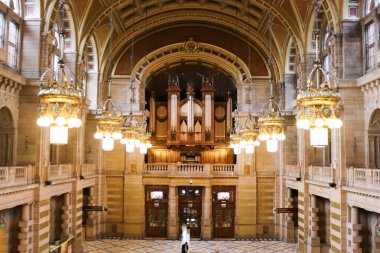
(16,175)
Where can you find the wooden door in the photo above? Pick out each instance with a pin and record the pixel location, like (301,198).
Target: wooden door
(190,209)
(156,210)
(223,211)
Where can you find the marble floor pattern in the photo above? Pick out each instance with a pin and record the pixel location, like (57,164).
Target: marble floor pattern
(166,246)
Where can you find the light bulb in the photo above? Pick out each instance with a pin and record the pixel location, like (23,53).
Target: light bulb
(108,144)
(237,150)
(263,137)
(256,143)
(319,137)
(249,149)
(60,121)
(117,136)
(274,136)
(59,135)
(149,145)
(242,144)
(319,122)
(44,121)
(75,122)
(129,147)
(339,123)
(300,123)
(98,135)
(107,135)
(232,145)
(281,137)
(306,124)
(272,145)
(143,149)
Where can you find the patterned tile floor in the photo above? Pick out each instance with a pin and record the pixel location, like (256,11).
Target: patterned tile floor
(166,246)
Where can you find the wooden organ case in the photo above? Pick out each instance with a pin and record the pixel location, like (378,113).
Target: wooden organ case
(190,127)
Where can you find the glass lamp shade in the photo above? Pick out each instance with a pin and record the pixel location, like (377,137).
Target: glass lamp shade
(129,147)
(237,150)
(44,121)
(319,137)
(272,145)
(108,144)
(59,135)
(249,149)
(143,149)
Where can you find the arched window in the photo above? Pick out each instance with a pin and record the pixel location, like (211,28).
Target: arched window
(91,79)
(10,22)
(369,5)
(13,5)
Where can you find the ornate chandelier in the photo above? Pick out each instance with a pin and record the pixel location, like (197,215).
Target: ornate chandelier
(318,106)
(271,124)
(245,135)
(135,134)
(271,121)
(108,124)
(60,106)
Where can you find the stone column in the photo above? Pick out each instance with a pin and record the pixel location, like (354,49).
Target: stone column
(25,230)
(66,216)
(207,215)
(354,227)
(173,214)
(313,242)
(289,235)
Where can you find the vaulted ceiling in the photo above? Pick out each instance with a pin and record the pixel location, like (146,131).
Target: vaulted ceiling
(247,20)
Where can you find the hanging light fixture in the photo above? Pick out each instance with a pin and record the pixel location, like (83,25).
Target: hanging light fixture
(108,123)
(244,136)
(271,121)
(134,128)
(60,106)
(108,120)
(318,105)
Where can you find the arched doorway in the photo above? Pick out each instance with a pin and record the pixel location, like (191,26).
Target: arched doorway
(6,137)
(374,140)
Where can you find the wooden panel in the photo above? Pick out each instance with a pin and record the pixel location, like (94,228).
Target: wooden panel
(156,211)
(223,212)
(190,209)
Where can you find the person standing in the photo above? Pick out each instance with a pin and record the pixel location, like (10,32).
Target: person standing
(185,248)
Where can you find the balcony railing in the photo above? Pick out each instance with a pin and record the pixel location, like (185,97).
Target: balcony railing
(193,169)
(88,169)
(16,176)
(322,173)
(364,178)
(60,171)
(292,171)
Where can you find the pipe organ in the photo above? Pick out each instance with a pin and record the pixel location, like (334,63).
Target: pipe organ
(190,126)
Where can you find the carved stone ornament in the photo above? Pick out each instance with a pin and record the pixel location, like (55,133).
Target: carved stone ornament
(191,46)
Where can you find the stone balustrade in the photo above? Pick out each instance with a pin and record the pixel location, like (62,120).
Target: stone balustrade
(364,178)
(322,174)
(59,171)
(193,169)
(292,171)
(88,169)
(16,175)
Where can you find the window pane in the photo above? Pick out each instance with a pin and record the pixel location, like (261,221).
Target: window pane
(370,45)
(12,44)
(2,30)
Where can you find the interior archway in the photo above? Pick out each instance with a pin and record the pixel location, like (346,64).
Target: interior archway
(6,137)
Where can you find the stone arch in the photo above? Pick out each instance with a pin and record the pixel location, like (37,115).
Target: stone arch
(177,52)
(7,135)
(374,139)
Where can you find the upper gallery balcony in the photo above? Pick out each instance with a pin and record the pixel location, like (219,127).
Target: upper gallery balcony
(190,169)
